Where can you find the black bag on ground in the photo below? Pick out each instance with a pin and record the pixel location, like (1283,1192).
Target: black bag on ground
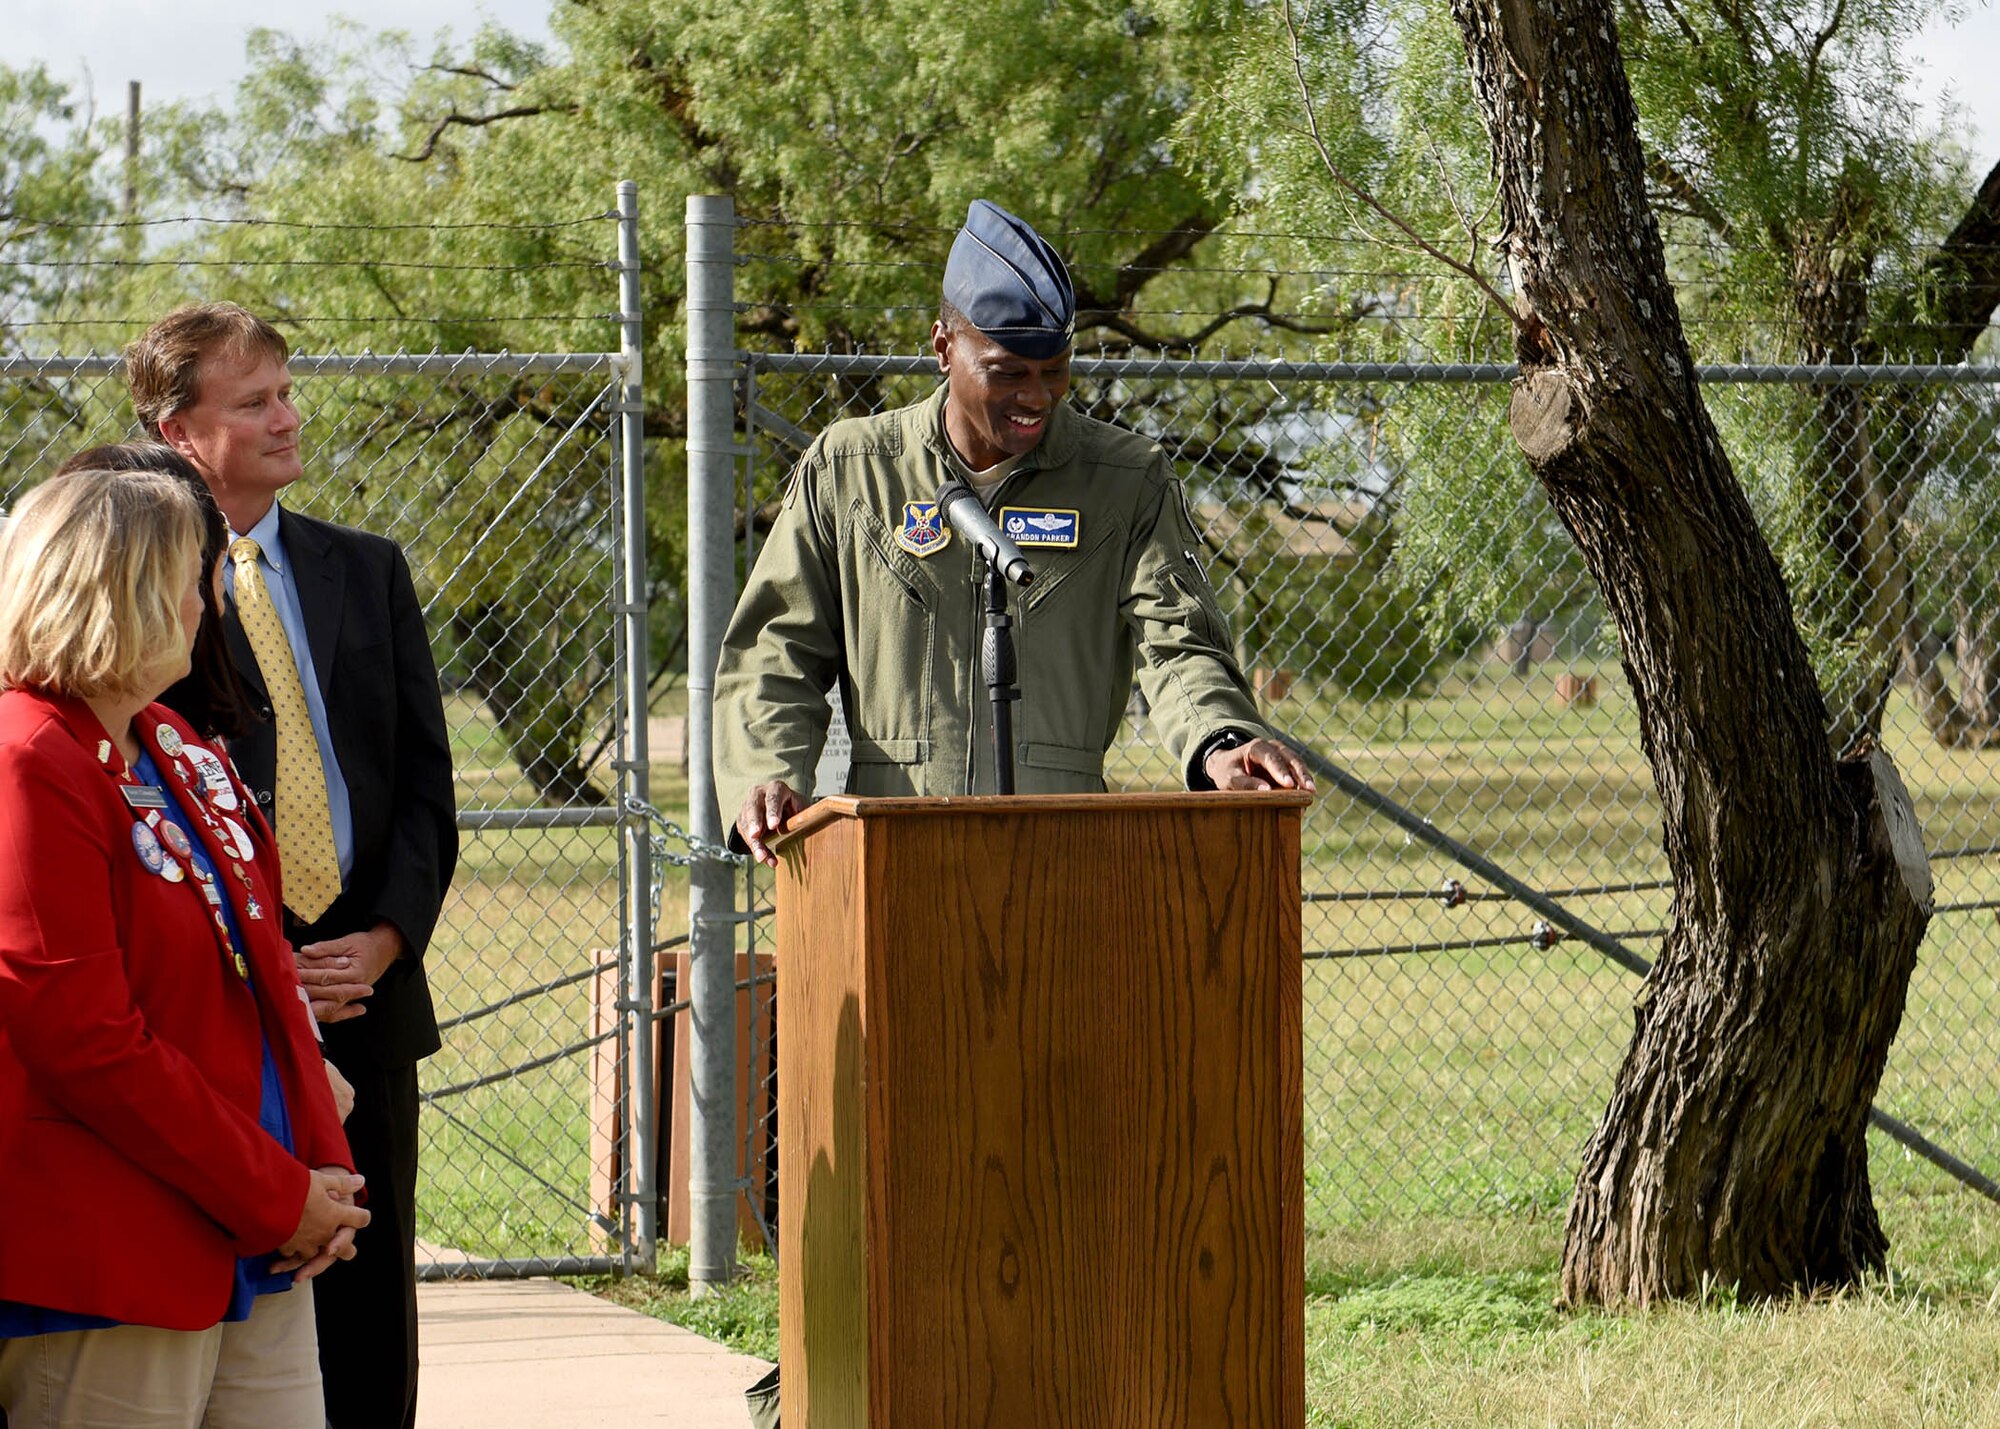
(762,1397)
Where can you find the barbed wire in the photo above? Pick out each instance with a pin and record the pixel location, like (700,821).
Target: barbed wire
(29,220)
(930,306)
(517,1069)
(1541,937)
(1384,276)
(1453,894)
(25,263)
(1697,323)
(360,321)
(1368,240)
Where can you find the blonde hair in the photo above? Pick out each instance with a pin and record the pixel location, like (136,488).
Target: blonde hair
(163,365)
(92,569)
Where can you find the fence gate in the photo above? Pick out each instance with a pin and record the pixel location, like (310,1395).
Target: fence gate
(508,481)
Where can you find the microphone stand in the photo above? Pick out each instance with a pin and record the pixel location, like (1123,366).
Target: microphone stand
(996,662)
(967,514)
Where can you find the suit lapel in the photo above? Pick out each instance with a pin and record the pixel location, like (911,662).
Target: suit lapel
(321,584)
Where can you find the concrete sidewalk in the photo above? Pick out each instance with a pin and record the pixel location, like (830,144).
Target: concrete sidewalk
(532,1352)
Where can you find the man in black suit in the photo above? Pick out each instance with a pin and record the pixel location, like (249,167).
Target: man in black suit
(351,757)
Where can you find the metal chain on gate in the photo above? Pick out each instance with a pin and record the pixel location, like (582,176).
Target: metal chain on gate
(700,850)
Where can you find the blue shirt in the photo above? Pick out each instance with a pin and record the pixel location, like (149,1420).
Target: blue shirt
(276,566)
(18,1321)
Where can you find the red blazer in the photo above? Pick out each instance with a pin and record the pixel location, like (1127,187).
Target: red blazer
(132,1168)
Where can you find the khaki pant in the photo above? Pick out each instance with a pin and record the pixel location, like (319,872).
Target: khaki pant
(259,1373)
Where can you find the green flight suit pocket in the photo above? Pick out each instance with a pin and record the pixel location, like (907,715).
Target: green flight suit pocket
(891,751)
(1197,610)
(1067,758)
(891,647)
(1061,572)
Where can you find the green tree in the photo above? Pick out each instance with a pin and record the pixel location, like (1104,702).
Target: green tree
(1808,189)
(1810,215)
(52,201)
(850,191)
(1734,1149)
(54,204)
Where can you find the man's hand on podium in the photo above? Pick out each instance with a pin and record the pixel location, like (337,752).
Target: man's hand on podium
(1260,764)
(764,814)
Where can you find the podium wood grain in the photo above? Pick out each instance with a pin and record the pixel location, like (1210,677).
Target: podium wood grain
(1040,1149)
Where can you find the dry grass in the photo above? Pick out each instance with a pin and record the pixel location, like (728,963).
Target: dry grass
(1448,1098)
(1452,1322)
(1863,1359)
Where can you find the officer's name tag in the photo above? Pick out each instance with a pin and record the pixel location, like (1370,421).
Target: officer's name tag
(924,532)
(1033,526)
(143,796)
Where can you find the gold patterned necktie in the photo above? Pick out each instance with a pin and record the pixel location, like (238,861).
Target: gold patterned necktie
(305,826)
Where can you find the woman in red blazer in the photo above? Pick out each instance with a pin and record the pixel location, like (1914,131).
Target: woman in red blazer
(171,1160)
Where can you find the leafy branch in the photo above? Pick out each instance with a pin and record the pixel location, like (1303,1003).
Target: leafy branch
(1361,195)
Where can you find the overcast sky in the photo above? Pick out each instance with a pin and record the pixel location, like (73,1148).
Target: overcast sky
(186,48)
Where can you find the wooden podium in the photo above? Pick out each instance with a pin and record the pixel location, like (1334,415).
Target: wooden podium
(1039,1113)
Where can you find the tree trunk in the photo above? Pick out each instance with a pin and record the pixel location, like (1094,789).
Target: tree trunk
(1734,1147)
(1922,651)
(1978,663)
(1935,318)
(1869,460)
(542,723)
(1866,597)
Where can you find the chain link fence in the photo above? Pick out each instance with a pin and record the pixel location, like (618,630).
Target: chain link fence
(505,479)
(1483,874)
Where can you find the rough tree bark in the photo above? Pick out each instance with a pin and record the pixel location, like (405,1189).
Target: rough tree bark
(1733,1150)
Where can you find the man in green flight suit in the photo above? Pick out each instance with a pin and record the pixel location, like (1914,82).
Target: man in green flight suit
(862,584)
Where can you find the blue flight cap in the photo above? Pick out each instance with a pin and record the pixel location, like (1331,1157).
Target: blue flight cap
(1010,284)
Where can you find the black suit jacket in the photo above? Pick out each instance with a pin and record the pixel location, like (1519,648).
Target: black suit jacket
(373,660)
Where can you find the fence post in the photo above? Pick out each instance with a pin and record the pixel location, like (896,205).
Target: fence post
(642,1113)
(711,454)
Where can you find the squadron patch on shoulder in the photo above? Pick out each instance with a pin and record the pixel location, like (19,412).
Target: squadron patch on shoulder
(1036,526)
(924,531)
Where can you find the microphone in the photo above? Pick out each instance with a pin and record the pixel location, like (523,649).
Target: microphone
(967,514)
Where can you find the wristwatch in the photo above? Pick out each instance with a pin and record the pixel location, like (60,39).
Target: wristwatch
(1221,739)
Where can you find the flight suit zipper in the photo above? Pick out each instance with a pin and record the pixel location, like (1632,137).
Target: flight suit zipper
(973,688)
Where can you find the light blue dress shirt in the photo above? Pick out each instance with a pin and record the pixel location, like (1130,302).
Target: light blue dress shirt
(277,570)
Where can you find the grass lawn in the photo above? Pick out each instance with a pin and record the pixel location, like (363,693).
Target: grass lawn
(1453,1323)
(1453,1072)
(509,1170)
